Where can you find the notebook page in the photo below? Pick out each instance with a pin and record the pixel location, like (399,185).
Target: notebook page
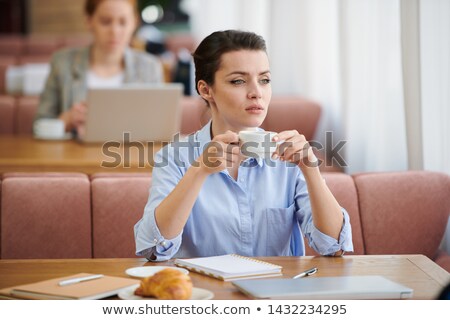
(230,265)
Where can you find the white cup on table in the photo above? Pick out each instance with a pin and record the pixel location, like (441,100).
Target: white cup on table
(49,129)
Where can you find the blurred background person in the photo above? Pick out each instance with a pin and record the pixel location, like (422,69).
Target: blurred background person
(107,62)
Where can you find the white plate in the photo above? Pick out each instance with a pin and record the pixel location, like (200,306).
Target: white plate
(143,272)
(197,294)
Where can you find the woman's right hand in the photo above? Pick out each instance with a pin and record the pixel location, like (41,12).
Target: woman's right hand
(75,117)
(221,153)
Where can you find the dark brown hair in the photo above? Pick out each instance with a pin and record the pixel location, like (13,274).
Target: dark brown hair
(209,52)
(91,5)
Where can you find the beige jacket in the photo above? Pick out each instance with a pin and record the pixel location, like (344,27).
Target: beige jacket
(66,83)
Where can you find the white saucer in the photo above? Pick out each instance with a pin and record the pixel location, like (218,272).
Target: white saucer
(197,294)
(143,272)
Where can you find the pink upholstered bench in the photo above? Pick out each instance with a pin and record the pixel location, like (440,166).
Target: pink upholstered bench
(45,216)
(117,204)
(7,114)
(49,215)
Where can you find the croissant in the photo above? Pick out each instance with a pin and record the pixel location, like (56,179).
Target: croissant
(167,284)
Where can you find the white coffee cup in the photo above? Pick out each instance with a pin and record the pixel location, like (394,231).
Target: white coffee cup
(49,129)
(257,144)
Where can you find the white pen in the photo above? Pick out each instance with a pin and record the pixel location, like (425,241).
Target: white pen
(78,280)
(306,273)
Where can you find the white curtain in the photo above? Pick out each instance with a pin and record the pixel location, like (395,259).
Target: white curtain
(379,68)
(305,54)
(435,76)
(347,56)
(372,86)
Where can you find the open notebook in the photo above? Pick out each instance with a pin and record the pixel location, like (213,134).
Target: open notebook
(230,267)
(50,290)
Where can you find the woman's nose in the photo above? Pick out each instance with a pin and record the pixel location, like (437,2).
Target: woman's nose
(254,91)
(115,29)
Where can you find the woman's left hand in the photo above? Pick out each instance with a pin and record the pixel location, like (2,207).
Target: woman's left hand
(295,149)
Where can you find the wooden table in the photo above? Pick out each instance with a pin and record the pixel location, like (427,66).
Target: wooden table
(415,271)
(26,154)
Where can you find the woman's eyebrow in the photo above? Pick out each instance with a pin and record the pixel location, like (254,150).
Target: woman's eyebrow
(243,73)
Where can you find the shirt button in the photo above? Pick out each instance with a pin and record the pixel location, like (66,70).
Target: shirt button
(155,241)
(241,179)
(163,243)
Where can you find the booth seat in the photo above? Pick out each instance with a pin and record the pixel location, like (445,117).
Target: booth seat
(71,215)
(117,204)
(17,114)
(12,45)
(17,44)
(46,217)
(25,114)
(7,114)
(6,61)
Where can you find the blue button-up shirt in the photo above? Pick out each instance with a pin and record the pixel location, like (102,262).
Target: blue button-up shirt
(265,212)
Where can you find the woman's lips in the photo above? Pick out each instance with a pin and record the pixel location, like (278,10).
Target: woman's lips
(254,109)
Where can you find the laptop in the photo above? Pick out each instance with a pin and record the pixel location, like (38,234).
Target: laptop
(312,288)
(139,112)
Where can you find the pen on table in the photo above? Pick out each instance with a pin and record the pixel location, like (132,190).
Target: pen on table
(80,279)
(306,273)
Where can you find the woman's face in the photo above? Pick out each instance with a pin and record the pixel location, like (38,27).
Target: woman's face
(112,25)
(242,91)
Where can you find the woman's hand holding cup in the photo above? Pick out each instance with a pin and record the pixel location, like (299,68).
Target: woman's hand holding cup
(221,153)
(75,117)
(295,149)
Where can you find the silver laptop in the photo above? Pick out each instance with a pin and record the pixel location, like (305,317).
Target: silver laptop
(139,112)
(311,288)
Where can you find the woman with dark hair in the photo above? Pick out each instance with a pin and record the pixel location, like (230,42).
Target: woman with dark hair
(107,62)
(208,198)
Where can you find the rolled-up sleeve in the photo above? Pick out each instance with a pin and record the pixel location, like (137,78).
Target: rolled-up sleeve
(326,245)
(320,242)
(149,241)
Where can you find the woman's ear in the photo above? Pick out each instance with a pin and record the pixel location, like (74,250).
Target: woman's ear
(205,90)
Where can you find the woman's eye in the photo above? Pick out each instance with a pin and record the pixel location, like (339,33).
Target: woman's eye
(105,21)
(238,81)
(265,81)
(123,22)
